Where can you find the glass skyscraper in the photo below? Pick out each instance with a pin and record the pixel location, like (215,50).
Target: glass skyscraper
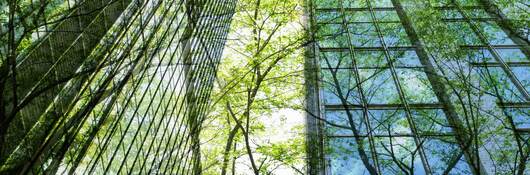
(109,86)
(417,87)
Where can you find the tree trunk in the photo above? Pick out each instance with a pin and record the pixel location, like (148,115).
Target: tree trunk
(228,148)
(438,86)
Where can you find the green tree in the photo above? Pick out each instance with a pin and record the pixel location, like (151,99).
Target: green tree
(260,75)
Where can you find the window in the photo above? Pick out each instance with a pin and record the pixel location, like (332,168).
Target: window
(414,107)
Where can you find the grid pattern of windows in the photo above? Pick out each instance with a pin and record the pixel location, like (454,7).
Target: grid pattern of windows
(393,100)
(127,97)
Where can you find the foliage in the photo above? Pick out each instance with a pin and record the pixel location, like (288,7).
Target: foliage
(260,76)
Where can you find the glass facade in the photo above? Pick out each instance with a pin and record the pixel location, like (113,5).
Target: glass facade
(116,87)
(410,87)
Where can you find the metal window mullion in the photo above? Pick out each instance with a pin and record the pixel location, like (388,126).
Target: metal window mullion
(397,135)
(127,27)
(190,84)
(494,53)
(164,93)
(174,89)
(507,26)
(503,65)
(437,84)
(178,121)
(156,91)
(53,132)
(397,83)
(154,114)
(146,54)
(364,103)
(62,56)
(136,85)
(81,30)
(203,60)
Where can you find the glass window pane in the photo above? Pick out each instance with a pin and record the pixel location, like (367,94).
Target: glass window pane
(370,59)
(364,35)
(359,16)
(387,16)
(523,75)
(464,3)
(394,34)
(494,33)
(405,58)
(463,33)
(477,13)
(521,117)
(338,122)
(335,60)
(500,148)
(354,4)
(381,3)
(378,86)
(492,77)
(441,152)
(431,121)
(327,3)
(328,17)
(346,82)
(416,86)
(344,156)
(331,35)
(480,56)
(451,14)
(385,122)
(404,151)
(512,55)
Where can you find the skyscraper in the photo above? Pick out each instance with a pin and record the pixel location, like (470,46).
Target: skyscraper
(111,86)
(414,87)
